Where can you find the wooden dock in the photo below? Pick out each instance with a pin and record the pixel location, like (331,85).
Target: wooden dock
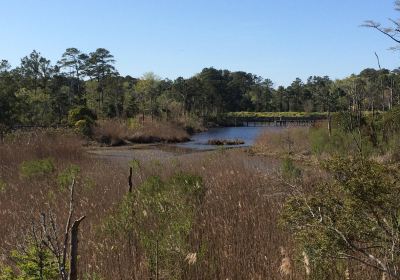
(276,121)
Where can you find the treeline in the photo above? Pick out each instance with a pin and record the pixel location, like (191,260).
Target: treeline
(38,92)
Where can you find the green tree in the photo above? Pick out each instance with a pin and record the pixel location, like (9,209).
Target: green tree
(36,70)
(294,95)
(148,90)
(73,62)
(8,100)
(100,66)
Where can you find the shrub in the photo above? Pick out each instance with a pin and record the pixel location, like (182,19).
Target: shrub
(3,186)
(66,176)
(33,262)
(339,143)
(36,168)
(161,213)
(353,215)
(133,123)
(289,169)
(164,218)
(81,113)
(6,273)
(319,139)
(111,132)
(192,124)
(83,127)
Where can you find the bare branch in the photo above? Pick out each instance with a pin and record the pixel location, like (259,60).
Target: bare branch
(67,226)
(379,62)
(386,31)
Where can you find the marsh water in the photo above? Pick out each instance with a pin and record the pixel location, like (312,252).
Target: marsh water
(194,149)
(247,134)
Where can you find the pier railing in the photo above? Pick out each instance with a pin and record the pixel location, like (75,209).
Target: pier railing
(276,121)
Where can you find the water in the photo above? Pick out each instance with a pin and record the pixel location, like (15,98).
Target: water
(247,134)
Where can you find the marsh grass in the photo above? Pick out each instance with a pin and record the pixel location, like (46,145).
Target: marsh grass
(292,141)
(313,144)
(235,233)
(120,132)
(152,132)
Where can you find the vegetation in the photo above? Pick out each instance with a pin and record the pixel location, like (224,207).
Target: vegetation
(326,205)
(222,142)
(82,87)
(276,114)
(29,169)
(118,132)
(213,206)
(161,215)
(353,217)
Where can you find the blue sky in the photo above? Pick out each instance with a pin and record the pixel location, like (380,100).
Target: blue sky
(277,39)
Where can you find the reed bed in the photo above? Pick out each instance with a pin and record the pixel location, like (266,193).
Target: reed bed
(291,141)
(235,235)
(120,132)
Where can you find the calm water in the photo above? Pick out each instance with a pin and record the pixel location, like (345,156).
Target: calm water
(247,134)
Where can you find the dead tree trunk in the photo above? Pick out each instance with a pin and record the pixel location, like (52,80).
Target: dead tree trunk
(130,179)
(73,272)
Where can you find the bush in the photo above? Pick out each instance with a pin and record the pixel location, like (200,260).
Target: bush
(3,186)
(34,262)
(6,272)
(340,143)
(161,213)
(319,139)
(289,169)
(81,113)
(66,176)
(112,132)
(353,215)
(192,124)
(36,168)
(83,127)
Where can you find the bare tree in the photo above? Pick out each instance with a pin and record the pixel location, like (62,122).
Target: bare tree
(392,32)
(46,234)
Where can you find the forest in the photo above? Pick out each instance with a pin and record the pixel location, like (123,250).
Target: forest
(40,93)
(101,176)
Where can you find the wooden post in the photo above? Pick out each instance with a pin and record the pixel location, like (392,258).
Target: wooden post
(157,259)
(130,180)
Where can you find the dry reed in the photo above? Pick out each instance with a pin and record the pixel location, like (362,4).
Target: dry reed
(235,233)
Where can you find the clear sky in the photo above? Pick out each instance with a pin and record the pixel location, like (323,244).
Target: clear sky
(277,39)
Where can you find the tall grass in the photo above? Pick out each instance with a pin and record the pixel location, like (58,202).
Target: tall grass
(235,232)
(312,144)
(119,132)
(293,141)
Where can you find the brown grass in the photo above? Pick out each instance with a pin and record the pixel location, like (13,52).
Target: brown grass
(118,132)
(292,141)
(155,132)
(222,142)
(235,233)
(111,132)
